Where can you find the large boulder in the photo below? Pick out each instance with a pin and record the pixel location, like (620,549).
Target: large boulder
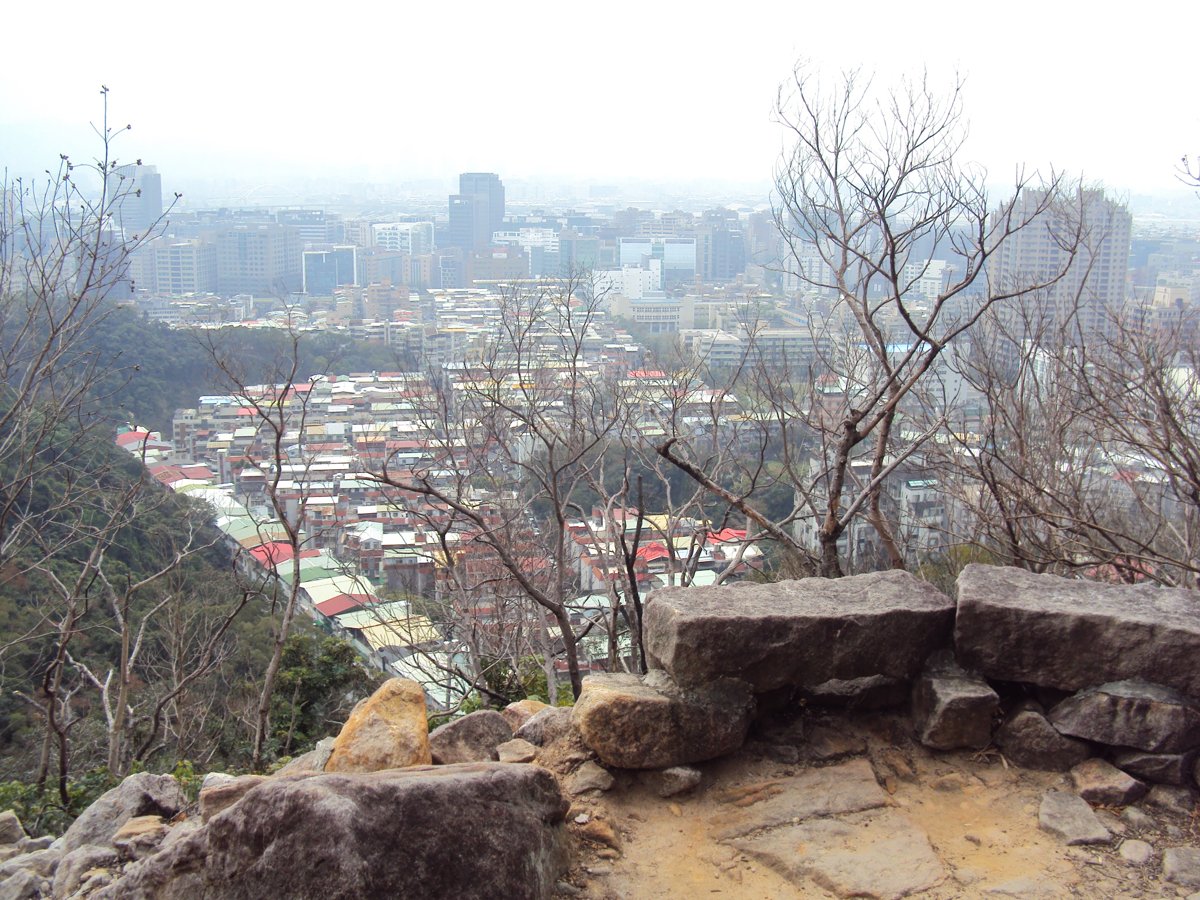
(474,830)
(649,722)
(1161,768)
(1133,714)
(473,738)
(1103,784)
(142,794)
(1013,625)
(798,633)
(388,730)
(11,830)
(951,708)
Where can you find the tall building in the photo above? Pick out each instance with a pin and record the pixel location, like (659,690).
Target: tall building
(1094,283)
(135,196)
(408,237)
(185,267)
(262,260)
(328,268)
(476,211)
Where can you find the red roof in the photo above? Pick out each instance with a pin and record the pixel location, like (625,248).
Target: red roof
(275,552)
(656,550)
(728,535)
(131,437)
(335,606)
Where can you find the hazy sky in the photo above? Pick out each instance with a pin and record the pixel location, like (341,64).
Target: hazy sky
(594,92)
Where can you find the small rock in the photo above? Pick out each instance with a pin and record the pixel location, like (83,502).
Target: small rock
(1161,768)
(473,738)
(1069,817)
(952,709)
(545,726)
(672,781)
(29,844)
(72,871)
(568,889)
(1179,801)
(600,832)
(1137,818)
(581,819)
(1135,852)
(516,751)
(518,713)
(213,779)
(1181,865)
(1027,739)
(10,828)
(312,761)
(894,761)
(23,885)
(1099,782)
(589,777)
(675,809)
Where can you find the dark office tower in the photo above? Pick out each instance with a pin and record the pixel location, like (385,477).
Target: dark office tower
(135,198)
(476,211)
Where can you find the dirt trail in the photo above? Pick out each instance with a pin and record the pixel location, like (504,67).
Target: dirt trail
(978,815)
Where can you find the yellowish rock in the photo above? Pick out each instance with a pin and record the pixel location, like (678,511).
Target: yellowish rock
(518,713)
(388,730)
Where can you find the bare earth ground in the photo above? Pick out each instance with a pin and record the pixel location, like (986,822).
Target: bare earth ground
(978,815)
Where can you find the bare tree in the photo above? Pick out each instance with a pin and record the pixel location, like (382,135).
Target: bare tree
(872,187)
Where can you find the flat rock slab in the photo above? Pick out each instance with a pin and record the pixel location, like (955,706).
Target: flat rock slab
(1135,714)
(1181,865)
(798,633)
(1069,817)
(1161,768)
(473,830)
(882,854)
(834,790)
(1013,625)
(648,722)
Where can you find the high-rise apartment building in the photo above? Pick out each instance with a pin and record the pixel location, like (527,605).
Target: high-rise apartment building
(325,269)
(135,195)
(262,260)
(185,267)
(1096,230)
(408,237)
(476,211)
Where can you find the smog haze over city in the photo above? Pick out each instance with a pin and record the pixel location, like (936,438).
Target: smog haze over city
(249,101)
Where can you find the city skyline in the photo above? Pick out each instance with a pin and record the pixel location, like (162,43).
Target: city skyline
(623,93)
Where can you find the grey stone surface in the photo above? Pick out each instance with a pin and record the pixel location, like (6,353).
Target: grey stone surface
(589,777)
(1161,768)
(1181,865)
(1136,714)
(545,726)
(1135,852)
(473,738)
(312,761)
(1179,801)
(672,781)
(1069,817)
(472,830)
(649,722)
(10,827)
(69,875)
(138,795)
(881,854)
(222,795)
(24,885)
(1013,625)
(1027,739)
(952,709)
(1103,784)
(798,633)
(834,790)
(43,862)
